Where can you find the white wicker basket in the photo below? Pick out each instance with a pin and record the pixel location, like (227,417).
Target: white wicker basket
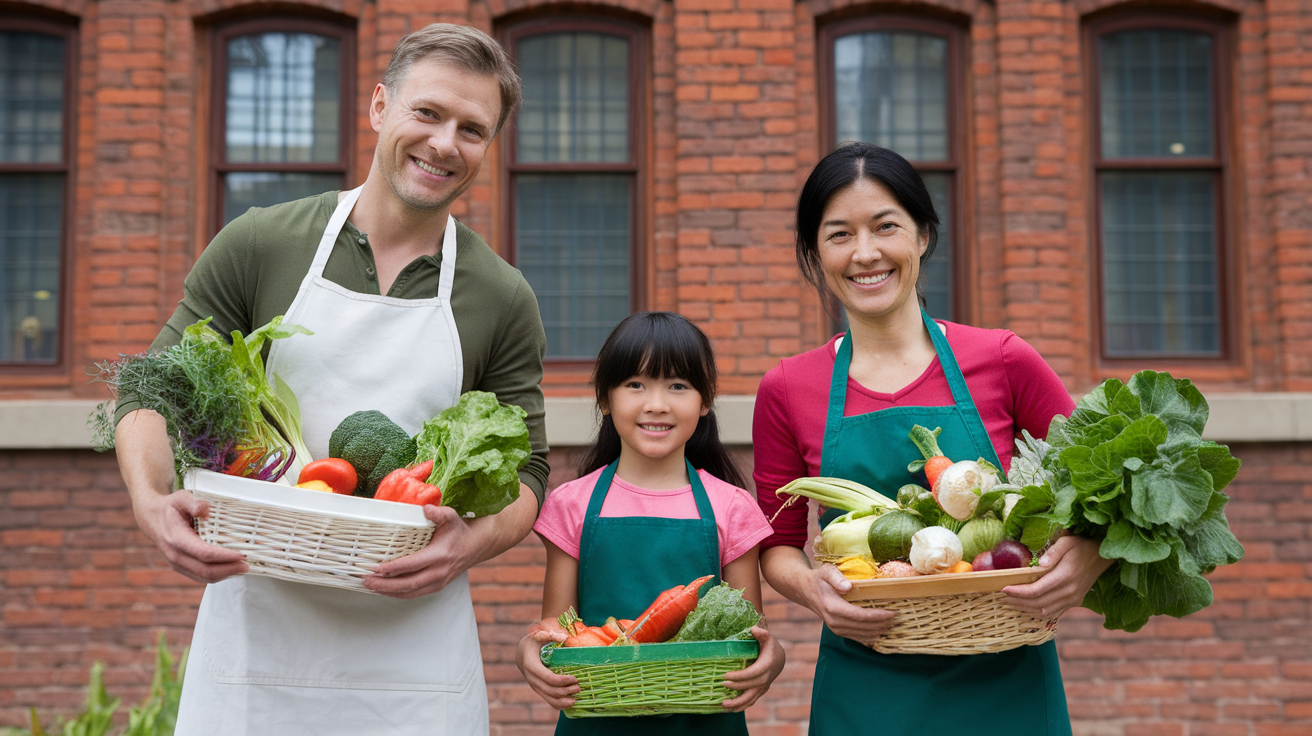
(306,536)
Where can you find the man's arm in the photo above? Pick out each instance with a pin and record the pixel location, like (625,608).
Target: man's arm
(146,463)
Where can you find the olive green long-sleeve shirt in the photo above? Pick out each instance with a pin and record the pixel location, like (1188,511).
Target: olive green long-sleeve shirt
(252,269)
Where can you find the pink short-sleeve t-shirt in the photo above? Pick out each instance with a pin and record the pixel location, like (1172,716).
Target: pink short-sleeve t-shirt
(738,519)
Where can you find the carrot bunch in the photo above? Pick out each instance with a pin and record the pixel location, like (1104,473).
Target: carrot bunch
(658,623)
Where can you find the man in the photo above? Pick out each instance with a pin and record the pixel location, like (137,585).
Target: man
(408,309)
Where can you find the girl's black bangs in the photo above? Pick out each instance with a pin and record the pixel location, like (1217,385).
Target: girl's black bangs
(656,344)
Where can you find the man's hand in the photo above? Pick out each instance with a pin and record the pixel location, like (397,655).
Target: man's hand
(456,546)
(167,521)
(146,463)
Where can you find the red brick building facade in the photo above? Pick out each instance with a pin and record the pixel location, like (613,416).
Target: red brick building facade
(726,105)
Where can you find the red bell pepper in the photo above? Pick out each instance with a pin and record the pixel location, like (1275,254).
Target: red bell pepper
(408,485)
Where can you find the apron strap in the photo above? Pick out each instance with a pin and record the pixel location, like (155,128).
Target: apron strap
(707,516)
(335,223)
(447,274)
(837,394)
(961,393)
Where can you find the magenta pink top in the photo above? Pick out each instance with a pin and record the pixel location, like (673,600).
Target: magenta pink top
(1013,388)
(738,519)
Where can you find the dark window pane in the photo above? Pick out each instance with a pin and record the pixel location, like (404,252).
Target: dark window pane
(31,97)
(576,98)
(1159,263)
(891,89)
(936,275)
(1156,94)
(283,104)
(573,237)
(241,191)
(31,224)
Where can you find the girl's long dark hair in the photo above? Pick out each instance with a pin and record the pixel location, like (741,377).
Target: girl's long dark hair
(660,345)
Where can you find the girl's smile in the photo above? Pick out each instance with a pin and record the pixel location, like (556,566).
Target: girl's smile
(654,417)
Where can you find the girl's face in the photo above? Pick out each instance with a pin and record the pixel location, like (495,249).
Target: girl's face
(870,250)
(655,417)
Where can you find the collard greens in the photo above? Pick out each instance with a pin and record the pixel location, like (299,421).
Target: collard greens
(721,614)
(477,448)
(1130,467)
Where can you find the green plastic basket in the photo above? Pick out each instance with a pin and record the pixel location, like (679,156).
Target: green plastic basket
(651,679)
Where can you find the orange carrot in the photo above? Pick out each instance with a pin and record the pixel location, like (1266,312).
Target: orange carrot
(962,566)
(663,619)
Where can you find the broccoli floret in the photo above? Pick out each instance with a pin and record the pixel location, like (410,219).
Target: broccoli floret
(374,445)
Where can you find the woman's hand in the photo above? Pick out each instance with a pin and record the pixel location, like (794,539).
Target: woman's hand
(551,687)
(755,679)
(865,625)
(1076,566)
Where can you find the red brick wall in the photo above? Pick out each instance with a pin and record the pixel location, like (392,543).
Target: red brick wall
(734,129)
(80,583)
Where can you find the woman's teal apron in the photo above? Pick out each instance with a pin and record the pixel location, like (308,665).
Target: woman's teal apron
(858,690)
(624,563)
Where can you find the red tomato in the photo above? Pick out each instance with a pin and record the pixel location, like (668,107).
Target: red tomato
(336,472)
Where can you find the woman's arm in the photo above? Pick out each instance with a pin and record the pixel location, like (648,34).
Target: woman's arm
(788,571)
(559,592)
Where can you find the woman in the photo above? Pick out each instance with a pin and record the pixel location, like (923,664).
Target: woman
(865,228)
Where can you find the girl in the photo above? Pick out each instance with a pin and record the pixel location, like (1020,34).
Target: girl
(640,519)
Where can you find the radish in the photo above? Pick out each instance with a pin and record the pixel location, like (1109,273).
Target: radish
(983,561)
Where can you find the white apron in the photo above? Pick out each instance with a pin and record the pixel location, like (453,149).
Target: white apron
(281,658)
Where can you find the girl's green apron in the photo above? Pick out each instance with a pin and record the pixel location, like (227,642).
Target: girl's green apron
(624,563)
(858,690)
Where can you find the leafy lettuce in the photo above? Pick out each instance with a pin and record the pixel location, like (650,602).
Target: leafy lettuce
(477,448)
(721,614)
(1129,467)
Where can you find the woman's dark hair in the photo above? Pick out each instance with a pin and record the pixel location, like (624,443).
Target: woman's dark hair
(660,345)
(841,169)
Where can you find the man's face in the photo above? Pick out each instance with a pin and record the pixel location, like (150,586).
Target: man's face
(433,132)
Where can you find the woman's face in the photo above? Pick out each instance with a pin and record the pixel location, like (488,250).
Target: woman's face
(870,250)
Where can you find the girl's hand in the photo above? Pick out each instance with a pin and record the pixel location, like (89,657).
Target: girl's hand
(865,625)
(551,687)
(756,678)
(1076,566)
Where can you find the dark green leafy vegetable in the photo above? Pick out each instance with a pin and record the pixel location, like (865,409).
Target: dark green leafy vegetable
(721,614)
(477,448)
(1130,467)
(374,445)
(218,409)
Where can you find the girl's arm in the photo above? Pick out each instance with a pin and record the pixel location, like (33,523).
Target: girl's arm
(744,573)
(559,591)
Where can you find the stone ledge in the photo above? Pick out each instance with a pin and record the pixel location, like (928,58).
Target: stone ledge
(571,422)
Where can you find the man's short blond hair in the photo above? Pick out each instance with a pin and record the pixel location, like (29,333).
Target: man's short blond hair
(463,47)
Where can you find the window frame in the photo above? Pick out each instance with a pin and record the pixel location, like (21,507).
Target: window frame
(638,165)
(962,263)
(68,31)
(218,164)
(1220,165)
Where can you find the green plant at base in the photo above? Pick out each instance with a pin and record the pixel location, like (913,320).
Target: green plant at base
(156,716)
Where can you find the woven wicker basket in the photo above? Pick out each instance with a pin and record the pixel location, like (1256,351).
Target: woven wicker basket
(958,613)
(306,536)
(651,679)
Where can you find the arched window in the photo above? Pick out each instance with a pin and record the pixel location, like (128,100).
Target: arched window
(893,81)
(1159,169)
(36,71)
(575,176)
(283,112)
